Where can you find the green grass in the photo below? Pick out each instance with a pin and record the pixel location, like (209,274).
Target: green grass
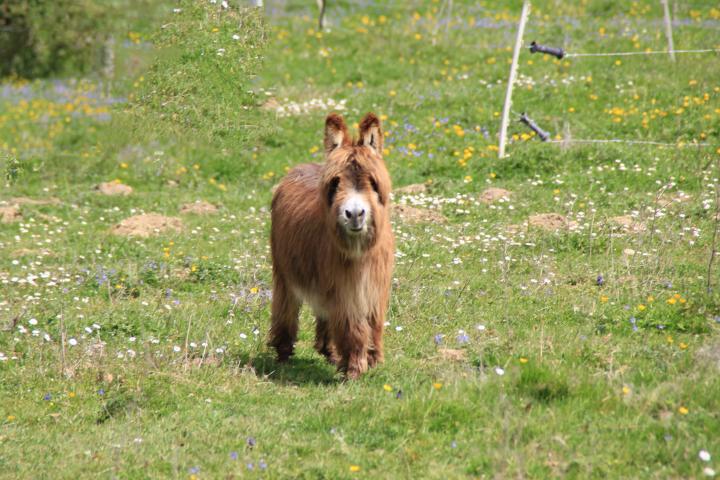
(552,379)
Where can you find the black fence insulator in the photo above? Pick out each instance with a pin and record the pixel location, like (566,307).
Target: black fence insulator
(555,52)
(544,136)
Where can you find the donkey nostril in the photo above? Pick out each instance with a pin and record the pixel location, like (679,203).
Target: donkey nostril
(362,213)
(348,213)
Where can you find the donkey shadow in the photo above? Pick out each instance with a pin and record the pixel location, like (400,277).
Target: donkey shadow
(299,370)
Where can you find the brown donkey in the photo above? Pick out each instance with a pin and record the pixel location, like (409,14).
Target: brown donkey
(332,247)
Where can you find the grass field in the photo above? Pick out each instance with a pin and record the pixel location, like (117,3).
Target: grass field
(583,345)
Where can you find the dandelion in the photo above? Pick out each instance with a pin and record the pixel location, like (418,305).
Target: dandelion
(626,390)
(354,468)
(523,360)
(437,385)
(387,388)
(683,410)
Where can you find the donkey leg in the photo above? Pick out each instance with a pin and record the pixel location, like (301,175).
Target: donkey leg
(352,339)
(377,325)
(284,323)
(323,342)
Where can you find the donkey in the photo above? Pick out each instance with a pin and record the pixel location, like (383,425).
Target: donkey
(333,248)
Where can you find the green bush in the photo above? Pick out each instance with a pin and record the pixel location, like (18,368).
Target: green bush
(39,38)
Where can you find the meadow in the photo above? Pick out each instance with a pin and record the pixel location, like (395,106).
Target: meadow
(555,313)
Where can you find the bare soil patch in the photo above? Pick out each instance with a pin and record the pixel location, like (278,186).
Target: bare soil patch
(409,214)
(709,355)
(199,207)
(114,188)
(25,252)
(452,354)
(492,195)
(34,201)
(146,225)
(413,189)
(551,222)
(10,213)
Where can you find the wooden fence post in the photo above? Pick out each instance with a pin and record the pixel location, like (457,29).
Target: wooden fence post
(668,29)
(321,17)
(511,80)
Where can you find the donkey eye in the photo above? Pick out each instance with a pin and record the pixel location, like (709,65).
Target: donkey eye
(374,185)
(332,189)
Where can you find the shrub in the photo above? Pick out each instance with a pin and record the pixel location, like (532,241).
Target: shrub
(39,38)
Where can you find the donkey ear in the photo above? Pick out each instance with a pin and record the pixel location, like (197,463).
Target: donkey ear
(336,133)
(370,133)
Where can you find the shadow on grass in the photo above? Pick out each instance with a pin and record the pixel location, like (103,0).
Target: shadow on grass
(299,370)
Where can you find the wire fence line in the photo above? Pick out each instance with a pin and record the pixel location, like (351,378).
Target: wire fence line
(631,142)
(562,54)
(650,52)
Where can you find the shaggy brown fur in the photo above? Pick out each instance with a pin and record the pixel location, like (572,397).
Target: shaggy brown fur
(332,247)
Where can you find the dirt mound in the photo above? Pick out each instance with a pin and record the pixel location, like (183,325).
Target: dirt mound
(25,252)
(10,213)
(709,355)
(34,201)
(199,207)
(551,222)
(413,189)
(493,194)
(627,224)
(271,104)
(114,188)
(146,225)
(452,354)
(409,214)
